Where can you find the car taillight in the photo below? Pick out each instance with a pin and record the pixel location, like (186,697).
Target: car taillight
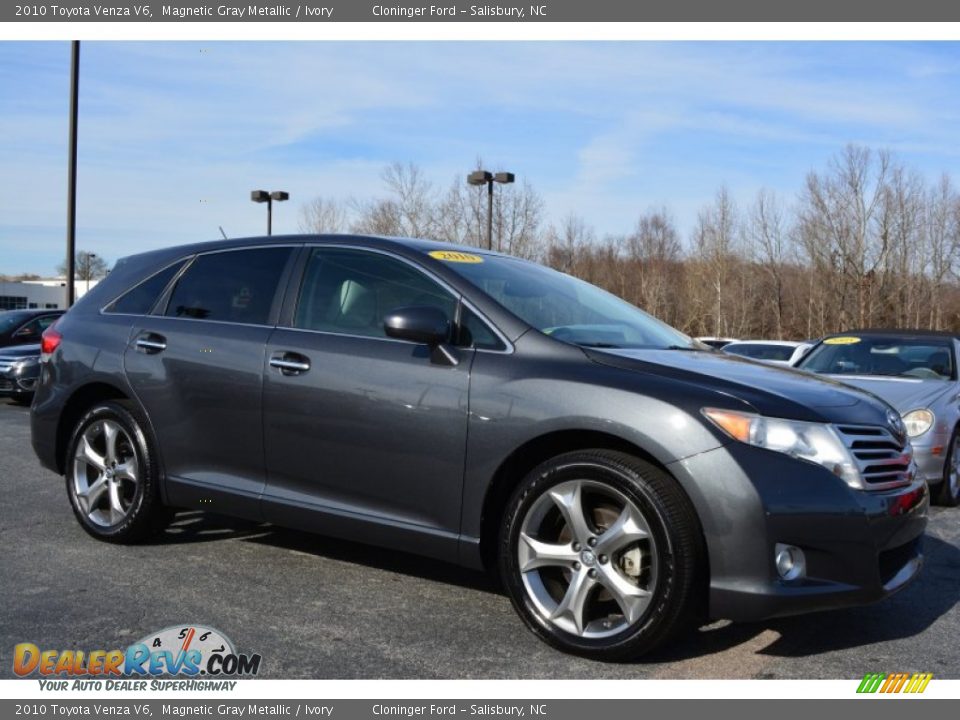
(49,341)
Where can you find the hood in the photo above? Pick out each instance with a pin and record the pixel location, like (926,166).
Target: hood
(905,394)
(20,351)
(768,389)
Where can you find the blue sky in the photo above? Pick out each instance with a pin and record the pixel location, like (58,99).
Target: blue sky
(174,135)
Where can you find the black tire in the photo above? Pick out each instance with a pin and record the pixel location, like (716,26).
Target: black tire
(23,400)
(677,599)
(144,514)
(947,492)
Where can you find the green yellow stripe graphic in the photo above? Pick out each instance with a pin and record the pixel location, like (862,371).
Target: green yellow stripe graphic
(895,683)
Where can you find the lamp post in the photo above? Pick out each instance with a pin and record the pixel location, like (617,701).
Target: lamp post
(72,172)
(482,177)
(260,196)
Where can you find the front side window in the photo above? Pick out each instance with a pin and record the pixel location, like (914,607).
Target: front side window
(237,286)
(351,291)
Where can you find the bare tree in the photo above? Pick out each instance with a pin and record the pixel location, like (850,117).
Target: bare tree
(87,266)
(715,247)
(323,215)
(769,245)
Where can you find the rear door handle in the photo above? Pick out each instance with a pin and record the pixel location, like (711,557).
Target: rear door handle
(151,343)
(290,363)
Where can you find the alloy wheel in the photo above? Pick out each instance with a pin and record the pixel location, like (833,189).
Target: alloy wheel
(588,559)
(105,473)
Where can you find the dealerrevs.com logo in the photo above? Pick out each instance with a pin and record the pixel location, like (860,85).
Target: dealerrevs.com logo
(183,651)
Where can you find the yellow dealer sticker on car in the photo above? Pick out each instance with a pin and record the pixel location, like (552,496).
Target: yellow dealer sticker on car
(453,256)
(846,340)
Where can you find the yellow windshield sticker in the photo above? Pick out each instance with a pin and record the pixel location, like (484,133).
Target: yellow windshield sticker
(454,256)
(844,340)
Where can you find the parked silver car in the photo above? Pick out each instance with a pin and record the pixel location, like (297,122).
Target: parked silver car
(915,371)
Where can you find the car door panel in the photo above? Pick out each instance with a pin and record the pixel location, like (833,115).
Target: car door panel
(197,369)
(374,428)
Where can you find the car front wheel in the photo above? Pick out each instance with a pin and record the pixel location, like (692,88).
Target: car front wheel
(602,555)
(112,475)
(948,493)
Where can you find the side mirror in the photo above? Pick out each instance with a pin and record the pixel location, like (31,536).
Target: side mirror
(421,324)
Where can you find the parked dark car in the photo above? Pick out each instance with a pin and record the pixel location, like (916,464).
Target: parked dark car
(19,372)
(624,482)
(24,327)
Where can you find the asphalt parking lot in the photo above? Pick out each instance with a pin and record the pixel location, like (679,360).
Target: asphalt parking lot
(320,608)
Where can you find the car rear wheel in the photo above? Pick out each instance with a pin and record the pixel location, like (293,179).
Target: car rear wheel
(602,555)
(948,493)
(112,476)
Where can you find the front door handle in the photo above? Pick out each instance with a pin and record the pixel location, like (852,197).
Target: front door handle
(290,363)
(151,343)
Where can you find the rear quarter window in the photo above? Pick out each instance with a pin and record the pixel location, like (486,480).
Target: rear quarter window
(141,298)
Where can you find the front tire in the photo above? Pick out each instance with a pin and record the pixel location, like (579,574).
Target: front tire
(112,474)
(948,494)
(602,555)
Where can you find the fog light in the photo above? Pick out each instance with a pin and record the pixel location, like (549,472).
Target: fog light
(790,561)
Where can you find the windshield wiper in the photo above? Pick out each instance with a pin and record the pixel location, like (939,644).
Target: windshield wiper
(683,347)
(600,345)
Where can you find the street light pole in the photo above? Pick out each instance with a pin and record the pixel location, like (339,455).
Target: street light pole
(481,177)
(72,172)
(260,196)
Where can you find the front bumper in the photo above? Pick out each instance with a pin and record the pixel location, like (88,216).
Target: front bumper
(19,383)
(930,465)
(860,546)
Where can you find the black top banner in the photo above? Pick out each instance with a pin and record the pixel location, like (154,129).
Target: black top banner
(499,11)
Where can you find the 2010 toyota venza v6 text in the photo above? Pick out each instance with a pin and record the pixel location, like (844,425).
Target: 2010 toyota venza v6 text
(625,481)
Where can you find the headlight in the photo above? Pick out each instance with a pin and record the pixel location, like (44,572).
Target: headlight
(813,442)
(918,422)
(25,363)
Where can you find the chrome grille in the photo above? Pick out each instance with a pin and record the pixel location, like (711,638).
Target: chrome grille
(7,362)
(883,459)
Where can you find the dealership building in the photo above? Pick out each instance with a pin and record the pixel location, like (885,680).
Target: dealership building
(44,294)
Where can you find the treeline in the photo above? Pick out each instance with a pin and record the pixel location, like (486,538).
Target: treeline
(866,242)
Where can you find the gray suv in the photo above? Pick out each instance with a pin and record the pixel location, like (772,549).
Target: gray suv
(624,481)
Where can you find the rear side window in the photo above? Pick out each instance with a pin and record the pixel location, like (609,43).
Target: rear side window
(237,286)
(140,299)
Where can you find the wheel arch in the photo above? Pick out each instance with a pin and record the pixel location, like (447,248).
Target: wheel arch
(537,450)
(81,400)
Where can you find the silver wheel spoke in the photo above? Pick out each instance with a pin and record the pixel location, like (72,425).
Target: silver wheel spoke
(110,440)
(536,554)
(570,610)
(116,508)
(568,498)
(628,529)
(127,470)
(86,453)
(90,496)
(633,600)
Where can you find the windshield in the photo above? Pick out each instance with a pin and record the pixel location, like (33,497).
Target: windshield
(11,319)
(761,351)
(562,306)
(923,358)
